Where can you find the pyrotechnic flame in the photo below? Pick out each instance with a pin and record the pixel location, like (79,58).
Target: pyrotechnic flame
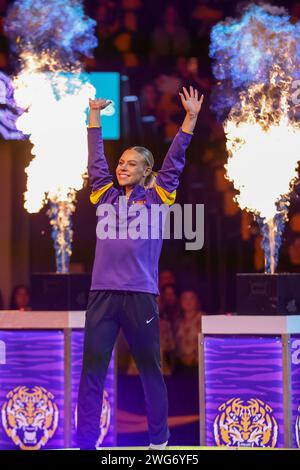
(263,152)
(263,157)
(55,119)
(259,57)
(50,39)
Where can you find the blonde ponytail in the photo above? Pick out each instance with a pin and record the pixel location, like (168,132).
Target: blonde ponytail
(150,180)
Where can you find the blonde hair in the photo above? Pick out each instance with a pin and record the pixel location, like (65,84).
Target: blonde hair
(149,160)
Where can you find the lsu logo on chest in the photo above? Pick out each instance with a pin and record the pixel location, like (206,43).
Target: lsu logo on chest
(140,201)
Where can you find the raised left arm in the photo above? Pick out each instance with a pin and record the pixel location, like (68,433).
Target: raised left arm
(101,180)
(167,179)
(192,106)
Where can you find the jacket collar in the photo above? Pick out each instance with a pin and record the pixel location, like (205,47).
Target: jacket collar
(137,192)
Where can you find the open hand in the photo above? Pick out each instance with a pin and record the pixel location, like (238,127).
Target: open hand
(98,104)
(190,102)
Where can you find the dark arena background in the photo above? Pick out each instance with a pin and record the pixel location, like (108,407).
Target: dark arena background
(229,304)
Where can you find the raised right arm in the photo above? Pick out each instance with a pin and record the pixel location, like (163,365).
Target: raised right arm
(100,178)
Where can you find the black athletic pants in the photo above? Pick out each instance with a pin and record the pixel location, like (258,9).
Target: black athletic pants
(138,316)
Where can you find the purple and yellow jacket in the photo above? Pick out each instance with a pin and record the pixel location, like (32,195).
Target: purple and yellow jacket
(131,264)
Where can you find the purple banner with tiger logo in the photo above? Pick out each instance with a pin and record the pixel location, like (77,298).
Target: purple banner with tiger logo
(243,391)
(31,390)
(295,388)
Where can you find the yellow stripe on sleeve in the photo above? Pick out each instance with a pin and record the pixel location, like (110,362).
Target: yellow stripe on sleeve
(95,196)
(187,132)
(165,196)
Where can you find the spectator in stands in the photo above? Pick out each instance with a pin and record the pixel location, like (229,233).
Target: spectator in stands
(294,254)
(204,16)
(149,100)
(128,40)
(108,18)
(166,276)
(168,113)
(295,10)
(168,303)
(188,69)
(108,25)
(4,47)
(132,5)
(187,327)
(20,298)
(168,110)
(170,38)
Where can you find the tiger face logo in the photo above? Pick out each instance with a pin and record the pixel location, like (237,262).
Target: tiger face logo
(105,419)
(249,424)
(298,428)
(30,417)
